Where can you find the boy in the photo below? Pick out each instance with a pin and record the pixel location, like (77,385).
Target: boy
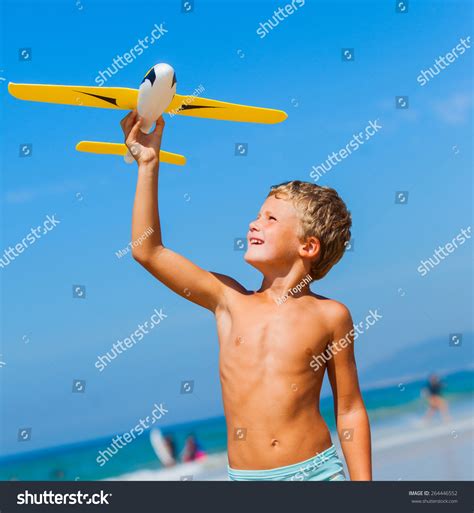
(269,339)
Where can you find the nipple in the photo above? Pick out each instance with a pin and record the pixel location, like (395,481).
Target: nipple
(275,442)
(238,341)
(308,351)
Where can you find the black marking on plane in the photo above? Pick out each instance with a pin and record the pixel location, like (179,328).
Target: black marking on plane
(174,80)
(113,101)
(151,76)
(189,107)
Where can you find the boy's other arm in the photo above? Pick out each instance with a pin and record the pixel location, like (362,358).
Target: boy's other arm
(351,416)
(207,289)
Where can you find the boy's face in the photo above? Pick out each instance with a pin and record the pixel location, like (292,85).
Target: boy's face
(273,242)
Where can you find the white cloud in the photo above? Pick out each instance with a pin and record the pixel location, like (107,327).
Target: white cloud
(455,109)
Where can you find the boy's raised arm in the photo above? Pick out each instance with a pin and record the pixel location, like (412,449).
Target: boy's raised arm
(173,270)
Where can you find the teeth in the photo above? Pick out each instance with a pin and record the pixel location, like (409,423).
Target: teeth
(255,241)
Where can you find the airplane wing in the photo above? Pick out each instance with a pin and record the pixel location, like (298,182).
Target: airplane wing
(126,99)
(213,109)
(106,148)
(102,97)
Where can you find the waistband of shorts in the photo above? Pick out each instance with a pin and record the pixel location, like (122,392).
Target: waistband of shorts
(319,459)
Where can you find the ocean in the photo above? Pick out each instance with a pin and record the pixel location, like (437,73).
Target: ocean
(393,410)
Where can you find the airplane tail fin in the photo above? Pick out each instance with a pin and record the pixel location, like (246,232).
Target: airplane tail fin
(106,148)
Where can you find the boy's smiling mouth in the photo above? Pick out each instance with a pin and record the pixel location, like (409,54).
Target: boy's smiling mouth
(255,241)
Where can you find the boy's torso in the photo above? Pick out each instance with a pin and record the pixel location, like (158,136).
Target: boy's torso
(270,391)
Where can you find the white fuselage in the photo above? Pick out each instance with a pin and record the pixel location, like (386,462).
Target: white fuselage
(155,94)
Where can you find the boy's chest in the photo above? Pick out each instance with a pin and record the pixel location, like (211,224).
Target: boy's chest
(261,335)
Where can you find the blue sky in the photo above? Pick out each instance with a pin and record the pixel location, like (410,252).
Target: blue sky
(50,338)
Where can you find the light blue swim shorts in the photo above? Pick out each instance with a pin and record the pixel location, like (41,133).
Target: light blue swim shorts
(325,466)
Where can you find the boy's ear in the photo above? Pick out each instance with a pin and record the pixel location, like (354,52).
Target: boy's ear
(310,248)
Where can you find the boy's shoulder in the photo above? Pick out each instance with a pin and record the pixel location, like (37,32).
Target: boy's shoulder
(334,312)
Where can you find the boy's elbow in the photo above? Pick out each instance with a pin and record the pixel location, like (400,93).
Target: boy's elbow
(139,256)
(144,256)
(353,407)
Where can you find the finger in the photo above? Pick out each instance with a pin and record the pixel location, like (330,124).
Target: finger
(133,119)
(128,127)
(123,120)
(135,129)
(124,123)
(128,121)
(160,125)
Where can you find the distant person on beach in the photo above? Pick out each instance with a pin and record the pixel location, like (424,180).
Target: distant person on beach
(276,343)
(170,444)
(58,474)
(432,392)
(192,450)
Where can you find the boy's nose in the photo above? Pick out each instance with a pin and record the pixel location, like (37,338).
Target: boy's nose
(254,226)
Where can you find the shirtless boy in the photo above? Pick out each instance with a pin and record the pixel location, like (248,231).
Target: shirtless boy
(268,338)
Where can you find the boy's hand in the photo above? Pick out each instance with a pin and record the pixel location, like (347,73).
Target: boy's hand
(145,148)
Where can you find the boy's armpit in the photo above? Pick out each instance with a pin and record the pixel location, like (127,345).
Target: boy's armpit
(231,283)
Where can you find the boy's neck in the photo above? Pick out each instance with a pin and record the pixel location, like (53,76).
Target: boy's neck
(293,284)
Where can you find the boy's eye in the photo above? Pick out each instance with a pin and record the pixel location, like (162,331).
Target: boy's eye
(271,217)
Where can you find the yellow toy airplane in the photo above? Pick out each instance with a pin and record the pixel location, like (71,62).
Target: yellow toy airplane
(156,94)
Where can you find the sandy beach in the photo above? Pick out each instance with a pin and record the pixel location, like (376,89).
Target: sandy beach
(436,452)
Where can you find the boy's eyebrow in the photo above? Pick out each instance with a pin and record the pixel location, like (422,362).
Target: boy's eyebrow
(267,212)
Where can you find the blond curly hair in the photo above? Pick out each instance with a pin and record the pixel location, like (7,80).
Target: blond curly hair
(323,215)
